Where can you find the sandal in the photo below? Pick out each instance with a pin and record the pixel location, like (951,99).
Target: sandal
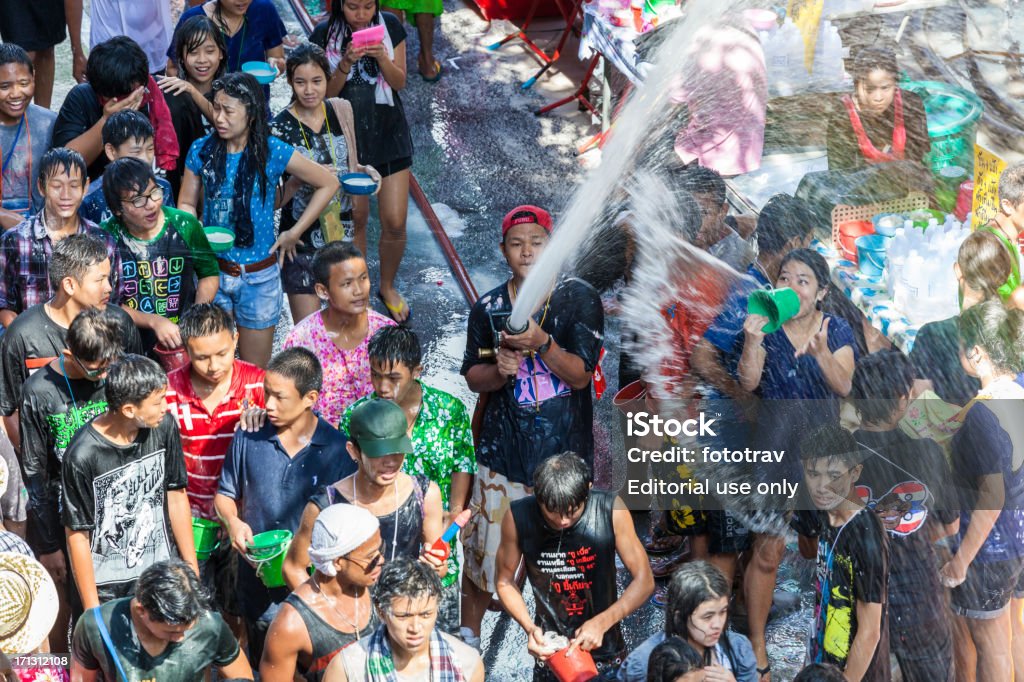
(395,311)
(661,541)
(761,672)
(437,73)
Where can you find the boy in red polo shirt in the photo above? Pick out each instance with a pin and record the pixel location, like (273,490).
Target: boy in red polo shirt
(207,397)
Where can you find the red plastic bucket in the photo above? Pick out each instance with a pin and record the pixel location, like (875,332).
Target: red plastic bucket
(629,393)
(964,200)
(576,667)
(848,234)
(172,358)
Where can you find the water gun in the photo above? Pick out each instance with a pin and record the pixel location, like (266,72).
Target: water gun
(443,542)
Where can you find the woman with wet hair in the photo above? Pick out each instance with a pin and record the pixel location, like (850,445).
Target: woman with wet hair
(880,121)
(233,173)
(202,57)
(697,617)
(983,265)
(370,76)
(322,129)
(988,461)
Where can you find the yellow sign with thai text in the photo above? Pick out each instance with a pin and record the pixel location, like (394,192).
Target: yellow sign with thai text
(985,203)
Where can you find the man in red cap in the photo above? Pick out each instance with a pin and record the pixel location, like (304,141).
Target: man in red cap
(537,390)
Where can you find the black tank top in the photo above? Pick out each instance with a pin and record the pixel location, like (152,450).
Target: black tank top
(408,537)
(326,639)
(572,572)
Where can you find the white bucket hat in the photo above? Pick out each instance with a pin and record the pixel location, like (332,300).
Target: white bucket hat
(28,603)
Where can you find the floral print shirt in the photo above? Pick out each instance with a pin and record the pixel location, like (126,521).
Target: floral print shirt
(346,372)
(442,442)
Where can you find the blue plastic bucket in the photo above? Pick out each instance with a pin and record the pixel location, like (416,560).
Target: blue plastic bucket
(871,250)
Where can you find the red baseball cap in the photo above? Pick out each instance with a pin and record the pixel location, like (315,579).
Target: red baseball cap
(526,214)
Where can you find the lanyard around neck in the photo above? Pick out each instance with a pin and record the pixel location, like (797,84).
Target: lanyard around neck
(330,135)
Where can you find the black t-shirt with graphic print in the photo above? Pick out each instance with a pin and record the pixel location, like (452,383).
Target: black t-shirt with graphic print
(118,493)
(853,566)
(33,340)
(313,145)
(536,414)
(53,409)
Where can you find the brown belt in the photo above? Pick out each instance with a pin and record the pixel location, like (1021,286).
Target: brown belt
(235,270)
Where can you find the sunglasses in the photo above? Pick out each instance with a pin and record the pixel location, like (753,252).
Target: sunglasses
(92,373)
(370,564)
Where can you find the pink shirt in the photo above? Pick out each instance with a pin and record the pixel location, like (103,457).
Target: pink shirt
(346,372)
(726,92)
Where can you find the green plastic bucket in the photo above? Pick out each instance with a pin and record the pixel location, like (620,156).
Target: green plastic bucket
(953,114)
(266,552)
(778,305)
(204,535)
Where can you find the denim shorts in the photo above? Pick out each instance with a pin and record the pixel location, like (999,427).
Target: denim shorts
(988,589)
(254,298)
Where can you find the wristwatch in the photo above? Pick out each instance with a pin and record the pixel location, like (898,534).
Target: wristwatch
(544,347)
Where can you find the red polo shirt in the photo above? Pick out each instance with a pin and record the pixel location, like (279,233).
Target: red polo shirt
(205,437)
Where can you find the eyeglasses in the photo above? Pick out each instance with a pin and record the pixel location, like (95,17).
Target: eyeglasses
(92,373)
(156,194)
(372,563)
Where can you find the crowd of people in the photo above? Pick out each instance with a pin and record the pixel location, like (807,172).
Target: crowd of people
(142,399)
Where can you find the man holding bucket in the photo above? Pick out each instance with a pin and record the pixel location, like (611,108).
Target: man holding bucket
(208,397)
(125,506)
(568,536)
(267,478)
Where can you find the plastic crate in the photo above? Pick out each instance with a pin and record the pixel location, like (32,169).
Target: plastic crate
(843,212)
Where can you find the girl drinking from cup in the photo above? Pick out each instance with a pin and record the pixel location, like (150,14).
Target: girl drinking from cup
(200,50)
(322,130)
(369,74)
(233,173)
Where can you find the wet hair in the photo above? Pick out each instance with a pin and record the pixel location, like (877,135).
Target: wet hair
(125,126)
(171,593)
(813,260)
(74,256)
(306,53)
(562,483)
(880,381)
(61,160)
(301,366)
(1011,184)
(94,336)
(193,33)
(15,54)
(691,585)
(701,180)
(131,380)
(985,264)
(783,219)
(205,319)
(336,24)
(329,255)
(246,89)
(671,659)
(820,672)
(125,176)
(831,442)
(997,329)
(116,67)
(405,577)
(394,345)
(874,59)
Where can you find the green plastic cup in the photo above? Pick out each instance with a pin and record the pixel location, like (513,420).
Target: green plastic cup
(778,305)
(267,551)
(204,534)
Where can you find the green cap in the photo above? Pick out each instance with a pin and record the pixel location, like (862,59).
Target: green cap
(379,429)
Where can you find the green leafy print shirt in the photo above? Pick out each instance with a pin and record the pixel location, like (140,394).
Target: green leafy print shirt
(442,442)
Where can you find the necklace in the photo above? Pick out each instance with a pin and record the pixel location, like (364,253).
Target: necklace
(764,272)
(394,534)
(330,602)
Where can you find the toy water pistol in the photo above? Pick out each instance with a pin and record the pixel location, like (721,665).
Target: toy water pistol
(443,543)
